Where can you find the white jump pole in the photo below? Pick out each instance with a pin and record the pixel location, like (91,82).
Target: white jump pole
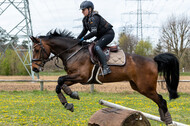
(149,116)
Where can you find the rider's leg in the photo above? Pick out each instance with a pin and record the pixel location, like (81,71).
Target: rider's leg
(102,59)
(105,39)
(101,44)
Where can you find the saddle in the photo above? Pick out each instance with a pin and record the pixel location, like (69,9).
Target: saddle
(114,55)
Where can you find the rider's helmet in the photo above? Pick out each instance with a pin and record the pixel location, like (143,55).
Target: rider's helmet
(86,4)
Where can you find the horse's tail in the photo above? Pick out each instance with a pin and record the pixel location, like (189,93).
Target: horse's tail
(169,65)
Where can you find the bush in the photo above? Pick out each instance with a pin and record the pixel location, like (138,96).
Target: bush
(10,64)
(144,48)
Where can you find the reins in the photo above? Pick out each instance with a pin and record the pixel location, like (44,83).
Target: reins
(61,53)
(68,57)
(55,56)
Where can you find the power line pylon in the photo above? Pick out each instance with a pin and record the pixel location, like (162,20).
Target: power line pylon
(21,29)
(139,18)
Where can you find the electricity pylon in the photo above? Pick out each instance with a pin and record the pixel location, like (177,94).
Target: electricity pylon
(21,29)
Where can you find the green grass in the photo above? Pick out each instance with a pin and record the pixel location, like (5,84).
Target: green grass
(184,73)
(53,73)
(44,108)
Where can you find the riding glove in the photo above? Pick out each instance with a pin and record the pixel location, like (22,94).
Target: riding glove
(81,40)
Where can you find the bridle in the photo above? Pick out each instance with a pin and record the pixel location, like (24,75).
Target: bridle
(43,51)
(42,55)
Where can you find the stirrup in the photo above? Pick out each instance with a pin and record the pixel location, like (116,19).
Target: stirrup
(105,71)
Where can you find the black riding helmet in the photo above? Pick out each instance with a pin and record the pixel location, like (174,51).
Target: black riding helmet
(86,4)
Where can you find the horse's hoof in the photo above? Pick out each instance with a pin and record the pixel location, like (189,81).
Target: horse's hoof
(69,106)
(168,119)
(75,95)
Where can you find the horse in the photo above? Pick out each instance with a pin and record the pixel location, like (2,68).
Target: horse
(141,72)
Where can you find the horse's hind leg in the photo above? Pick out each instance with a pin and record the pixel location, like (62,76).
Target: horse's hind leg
(133,85)
(163,110)
(162,104)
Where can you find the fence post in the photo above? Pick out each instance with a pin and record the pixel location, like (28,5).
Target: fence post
(41,85)
(41,82)
(91,88)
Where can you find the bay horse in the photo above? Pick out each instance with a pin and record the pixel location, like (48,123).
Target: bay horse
(141,72)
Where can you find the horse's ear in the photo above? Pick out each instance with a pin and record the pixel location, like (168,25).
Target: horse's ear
(34,39)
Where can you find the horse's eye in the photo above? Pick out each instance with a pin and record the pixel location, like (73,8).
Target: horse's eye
(36,51)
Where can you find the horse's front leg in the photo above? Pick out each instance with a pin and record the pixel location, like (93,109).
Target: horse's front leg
(68,106)
(67,90)
(64,81)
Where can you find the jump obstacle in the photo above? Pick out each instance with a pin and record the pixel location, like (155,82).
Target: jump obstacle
(149,116)
(118,117)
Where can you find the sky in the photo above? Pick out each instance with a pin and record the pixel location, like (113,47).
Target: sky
(65,14)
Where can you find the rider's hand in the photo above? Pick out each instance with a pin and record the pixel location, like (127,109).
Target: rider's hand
(81,40)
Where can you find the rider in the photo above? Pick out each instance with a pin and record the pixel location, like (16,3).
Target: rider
(98,27)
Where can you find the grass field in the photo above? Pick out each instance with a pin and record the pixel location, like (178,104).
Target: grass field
(52,73)
(44,108)
(184,73)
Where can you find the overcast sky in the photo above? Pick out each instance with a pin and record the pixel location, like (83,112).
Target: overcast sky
(61,14)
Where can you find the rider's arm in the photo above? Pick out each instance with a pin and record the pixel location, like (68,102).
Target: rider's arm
(94,21)
(84,31)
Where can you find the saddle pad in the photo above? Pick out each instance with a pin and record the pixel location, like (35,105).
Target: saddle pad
(117,58)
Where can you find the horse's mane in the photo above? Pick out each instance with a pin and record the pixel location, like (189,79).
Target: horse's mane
(58,33)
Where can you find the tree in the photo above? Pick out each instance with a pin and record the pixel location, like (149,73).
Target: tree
(24,44)
(127,42)
(158,49)
(144,48)
(176,35)
(185,62)
(3,39)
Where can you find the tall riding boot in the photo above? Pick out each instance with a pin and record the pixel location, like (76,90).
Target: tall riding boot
(102,59)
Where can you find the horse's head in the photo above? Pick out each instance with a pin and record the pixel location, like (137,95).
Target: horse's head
(41,53)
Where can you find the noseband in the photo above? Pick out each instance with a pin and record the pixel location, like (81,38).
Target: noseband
(42,52)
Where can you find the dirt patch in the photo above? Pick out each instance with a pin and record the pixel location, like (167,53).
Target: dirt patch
(106,87)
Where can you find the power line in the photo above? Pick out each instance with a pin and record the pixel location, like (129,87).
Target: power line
(139,19)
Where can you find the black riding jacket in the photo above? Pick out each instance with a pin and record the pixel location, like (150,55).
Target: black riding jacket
(96,24)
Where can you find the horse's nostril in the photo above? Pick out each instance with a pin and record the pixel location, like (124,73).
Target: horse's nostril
(35,70)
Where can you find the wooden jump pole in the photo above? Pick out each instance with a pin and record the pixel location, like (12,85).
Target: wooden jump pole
(147,115)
